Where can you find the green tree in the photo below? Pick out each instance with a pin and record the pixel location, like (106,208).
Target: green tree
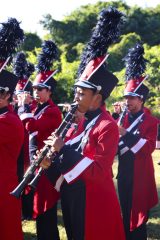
(72,33)
(76,28)
(32,41)
(118,51)
(153,82)
(144,22)
(66,78)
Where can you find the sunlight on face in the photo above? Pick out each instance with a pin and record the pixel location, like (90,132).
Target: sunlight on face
(84,98)
(41,94)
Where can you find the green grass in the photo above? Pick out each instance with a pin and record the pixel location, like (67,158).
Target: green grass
(153,223)
(30,232)
(154,220)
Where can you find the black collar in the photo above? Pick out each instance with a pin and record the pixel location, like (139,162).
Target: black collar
(3,110)
(132,117)
(40,107)
(91,114)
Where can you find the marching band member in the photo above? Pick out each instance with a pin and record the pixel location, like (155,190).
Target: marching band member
(136,180)
(11,140)
(40,123)
(117,110)
(11,134)
(23,70)
(89,203)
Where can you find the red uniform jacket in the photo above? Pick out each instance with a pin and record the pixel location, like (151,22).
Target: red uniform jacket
(102,212)
(47,121)
(141,145)
(11,140)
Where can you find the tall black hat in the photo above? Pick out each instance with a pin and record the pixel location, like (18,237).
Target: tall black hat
(8,81)
(46,58)
(23,71)
(135,68)
(92,72)
(11,36)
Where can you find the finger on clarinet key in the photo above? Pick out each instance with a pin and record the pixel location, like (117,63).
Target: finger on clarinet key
(46,162)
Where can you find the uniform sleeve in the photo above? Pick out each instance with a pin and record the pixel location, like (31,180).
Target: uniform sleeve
(54,175)
(74,165)
(140,143)
(51,117)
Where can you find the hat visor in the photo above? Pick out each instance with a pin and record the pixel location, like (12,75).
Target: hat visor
(18,92)
(85,84)
(132,94)
(42,85)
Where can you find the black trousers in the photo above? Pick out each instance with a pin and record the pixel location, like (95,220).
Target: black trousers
(139,233)
(73,209)
(46,225)
(27,205)
(125,196)
(125,189)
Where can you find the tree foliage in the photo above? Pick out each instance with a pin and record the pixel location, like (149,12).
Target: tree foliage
(32,41)
(119,50)
(144,22)
(73,32)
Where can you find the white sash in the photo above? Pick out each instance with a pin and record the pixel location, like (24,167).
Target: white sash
(40,113)
(81,135)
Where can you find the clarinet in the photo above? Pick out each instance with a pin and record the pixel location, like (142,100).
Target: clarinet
(122,116)
(62,129)
(35,180)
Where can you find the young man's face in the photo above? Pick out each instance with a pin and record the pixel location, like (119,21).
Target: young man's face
(41,94)
(85,98)
(134,104)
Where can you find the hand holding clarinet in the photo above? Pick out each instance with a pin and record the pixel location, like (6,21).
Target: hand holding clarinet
(122,130)
(45,153)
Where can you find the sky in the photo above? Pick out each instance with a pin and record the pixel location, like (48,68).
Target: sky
(30,12)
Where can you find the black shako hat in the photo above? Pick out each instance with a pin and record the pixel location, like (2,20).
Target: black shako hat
(135,68)
(97,77)
(93,72)
(8,81)
(24,85)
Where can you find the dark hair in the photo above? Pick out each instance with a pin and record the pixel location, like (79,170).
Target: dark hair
(3,94)
(11,97)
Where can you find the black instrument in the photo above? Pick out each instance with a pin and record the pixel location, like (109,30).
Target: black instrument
(34,182)
(122,116)
(61,131)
